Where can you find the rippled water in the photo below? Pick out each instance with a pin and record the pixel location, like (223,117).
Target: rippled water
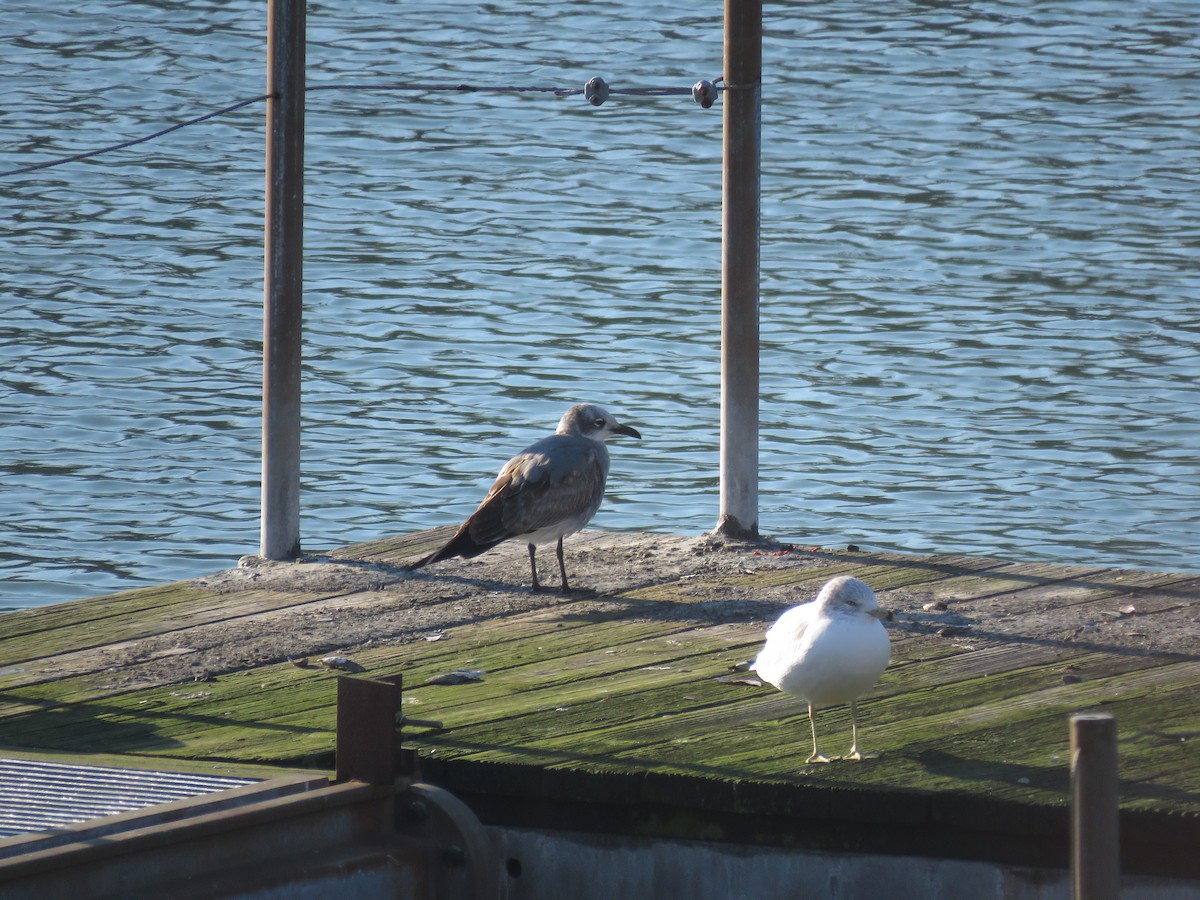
(980,234)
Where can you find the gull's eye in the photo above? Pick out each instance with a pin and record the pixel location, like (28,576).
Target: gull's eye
(599,423)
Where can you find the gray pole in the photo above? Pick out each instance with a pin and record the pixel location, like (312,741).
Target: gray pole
(1095,808)
(283,280)
(739,268)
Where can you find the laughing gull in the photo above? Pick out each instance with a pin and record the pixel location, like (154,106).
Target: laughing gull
(549,490)
(828,651)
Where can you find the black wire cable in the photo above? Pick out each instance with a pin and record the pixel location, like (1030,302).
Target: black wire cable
(426,88)
(78,156)
(481,89)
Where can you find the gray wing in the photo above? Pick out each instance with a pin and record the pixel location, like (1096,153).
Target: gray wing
(783,638)
(557,479)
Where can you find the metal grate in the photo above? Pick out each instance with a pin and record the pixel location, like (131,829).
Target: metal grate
(36,795)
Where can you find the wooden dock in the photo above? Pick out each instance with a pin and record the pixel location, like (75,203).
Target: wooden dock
(630,690)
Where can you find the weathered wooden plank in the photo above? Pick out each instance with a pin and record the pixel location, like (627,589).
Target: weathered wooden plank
(176,612)
(1047,581)
(127,605)
(398,549)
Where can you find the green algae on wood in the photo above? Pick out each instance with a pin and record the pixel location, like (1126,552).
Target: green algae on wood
(627,681)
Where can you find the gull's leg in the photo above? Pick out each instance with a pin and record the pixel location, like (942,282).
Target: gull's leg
(817,756)
(562,568)
(855,753)
(533,567)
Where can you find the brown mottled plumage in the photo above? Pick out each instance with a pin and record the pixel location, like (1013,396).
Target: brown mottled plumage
(549,490)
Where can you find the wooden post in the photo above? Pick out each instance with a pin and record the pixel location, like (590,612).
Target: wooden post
(740,268)
(1095,805)
(283,280)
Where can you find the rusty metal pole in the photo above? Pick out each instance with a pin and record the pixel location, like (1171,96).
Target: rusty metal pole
(740,268)
(1095,808)
(283,280)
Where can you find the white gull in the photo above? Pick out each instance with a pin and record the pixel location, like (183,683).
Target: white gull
(828,651)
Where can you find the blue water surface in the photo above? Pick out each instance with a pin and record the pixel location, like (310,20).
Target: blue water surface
(980,268)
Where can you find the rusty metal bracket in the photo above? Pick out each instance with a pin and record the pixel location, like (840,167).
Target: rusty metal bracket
(367,739)
(434,829)
(464,863)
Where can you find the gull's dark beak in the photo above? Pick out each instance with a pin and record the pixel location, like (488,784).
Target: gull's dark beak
(883,615)
(627,429)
